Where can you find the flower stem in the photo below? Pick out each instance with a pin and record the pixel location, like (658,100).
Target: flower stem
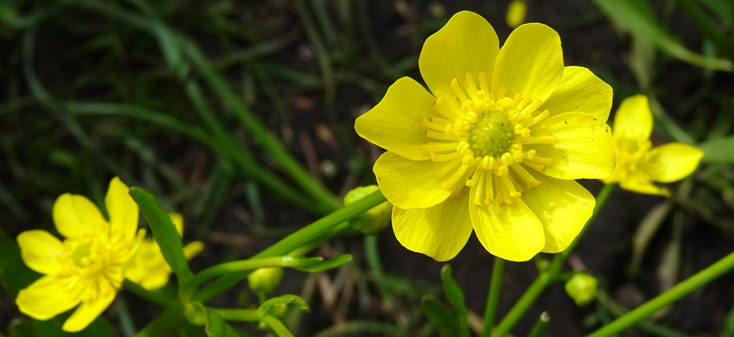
(549,275)
(681,289)
(540,325)
(243,315)
(307,235)
(494,295)
(147,294)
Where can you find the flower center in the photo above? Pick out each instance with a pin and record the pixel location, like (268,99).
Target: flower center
(491,135)
(484,138)
(632,155)
(95,264)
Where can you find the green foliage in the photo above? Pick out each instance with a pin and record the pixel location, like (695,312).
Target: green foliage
(440,316)
(164,232)
(456,297)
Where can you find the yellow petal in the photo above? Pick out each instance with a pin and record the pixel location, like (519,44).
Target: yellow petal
(640,182)
(156,279)
(563,206)
(673,162)
(581,91)
(440,231)
(466,44)
(122,209)
(509,231)
(530,62)
(583,148)
(87,312)
(177,220)
(40,251)
(633,118)
(410,184)
(193,249)
(75,215)
(396,123)
(46,298)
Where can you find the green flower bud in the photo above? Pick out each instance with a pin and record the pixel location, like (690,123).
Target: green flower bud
(581,288)
(265,280)
(195,313)
(373,221)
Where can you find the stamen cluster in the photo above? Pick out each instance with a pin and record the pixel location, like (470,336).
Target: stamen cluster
(485,135)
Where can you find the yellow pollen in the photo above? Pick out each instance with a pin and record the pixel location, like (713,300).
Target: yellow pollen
(484,141)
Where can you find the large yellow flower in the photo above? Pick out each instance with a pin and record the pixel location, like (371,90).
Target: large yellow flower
(86,269)
(638,163)
(513,125)
(149,268)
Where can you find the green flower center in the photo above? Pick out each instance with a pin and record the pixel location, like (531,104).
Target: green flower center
(81,254)
(491,135)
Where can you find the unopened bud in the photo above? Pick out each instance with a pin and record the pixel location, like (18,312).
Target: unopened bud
(375,219)
(265,280)
(581,288)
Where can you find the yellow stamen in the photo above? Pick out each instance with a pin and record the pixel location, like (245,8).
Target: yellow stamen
(459,92)
(439,147)
(526,177)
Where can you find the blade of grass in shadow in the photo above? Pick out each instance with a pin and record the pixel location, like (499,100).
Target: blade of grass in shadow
(324,59)
(219,85)
(636,17)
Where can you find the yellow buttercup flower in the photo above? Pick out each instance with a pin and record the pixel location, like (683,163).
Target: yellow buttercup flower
(638,163)
(149,268)
(86,269)
(495,145)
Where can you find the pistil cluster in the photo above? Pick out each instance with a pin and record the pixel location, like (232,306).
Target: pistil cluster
(486,137)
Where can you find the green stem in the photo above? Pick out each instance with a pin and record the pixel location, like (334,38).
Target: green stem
(165,324)
(549,275)
(540,325)
(249,264)
(681,289)
(240,315)
(147,294)
(304,236)
(494,296)
(277,326)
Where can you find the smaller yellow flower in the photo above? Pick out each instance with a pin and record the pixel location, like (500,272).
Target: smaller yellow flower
(86,269)
(149,268)
(638,163)
(516,12)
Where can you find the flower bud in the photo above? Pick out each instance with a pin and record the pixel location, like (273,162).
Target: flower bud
(581,288)
(195,313)
(265,280)
(375,219)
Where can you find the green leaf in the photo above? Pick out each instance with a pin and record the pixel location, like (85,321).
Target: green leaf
(440,316)
(217,327)
(21,330)
(718,150)
(456,297)
(636,17)
(164,232)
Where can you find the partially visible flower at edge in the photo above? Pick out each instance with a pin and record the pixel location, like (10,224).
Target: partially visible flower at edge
(516,12)
(87,268)
(638,163)
(494,146)
(149,268)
